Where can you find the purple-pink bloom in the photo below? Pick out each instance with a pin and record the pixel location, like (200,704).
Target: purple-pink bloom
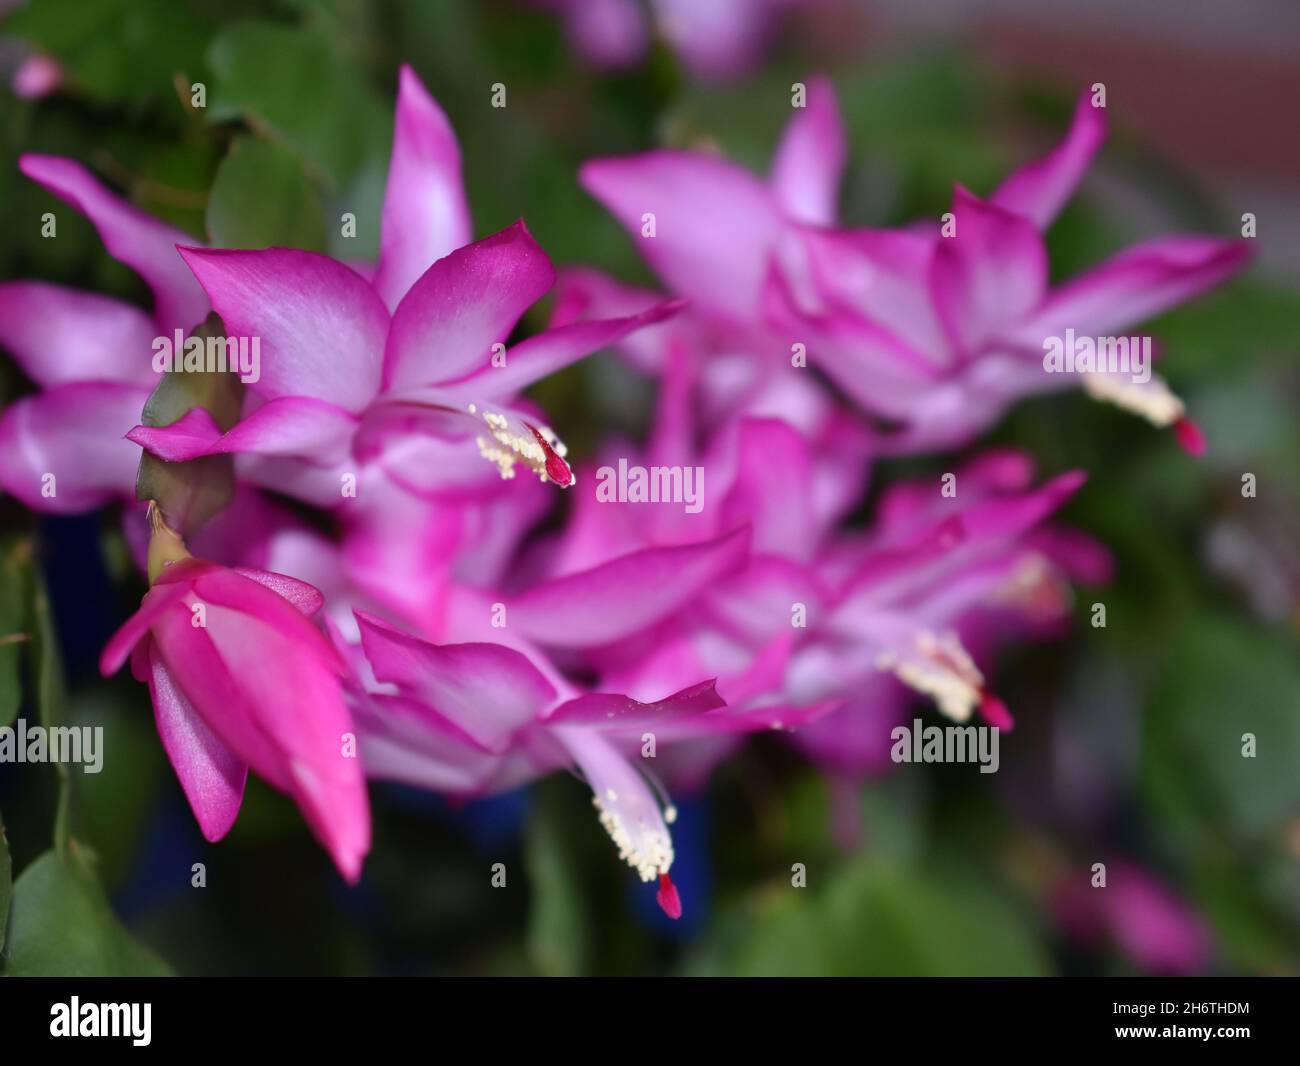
(400,372)
(63,449)
(937,328)
(37,76)
(473,719)
(715,39)
(240,679)
(1137,913)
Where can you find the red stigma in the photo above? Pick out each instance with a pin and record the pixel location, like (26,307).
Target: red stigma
(667,898)
(1189,437)
(556,468)
(995,712)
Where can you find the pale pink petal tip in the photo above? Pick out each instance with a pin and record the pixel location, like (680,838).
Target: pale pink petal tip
(1190,437)
(995,712)
(667,898)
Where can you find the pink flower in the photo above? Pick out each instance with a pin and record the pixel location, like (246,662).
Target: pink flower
(402,371)
(474,719)
(939,333)
(241,678)
(37,76)
(715,39)
(63,449)
(1136,912)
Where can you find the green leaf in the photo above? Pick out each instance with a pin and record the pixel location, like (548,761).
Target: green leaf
(288,84)
(6,885)
(51,702)
(558,936)
(61,925)
(191,492)
(261,197)
(876,919)
(15,567)
(1223,679)
(116,50)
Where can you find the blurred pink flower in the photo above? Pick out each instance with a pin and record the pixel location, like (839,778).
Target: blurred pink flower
(1155,929)
(37,76)
(937,334)
(715,39)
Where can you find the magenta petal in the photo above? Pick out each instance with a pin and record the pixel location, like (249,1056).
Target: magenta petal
(772,489)
(156,601)
(487,690)
(306,598)
(613,713)
(132,237)
(445,326)
(992,272)
(883,274)
(211,775)
(1004,517)
(322,327)
(715,225)
(265,681)
(425,214)
(60,336)
(75,433)
(544,354)
(1039,190)
(608,33)
(624,596)
(194,434)
(287,425)
(402,740)
(1131,287)
(810,159)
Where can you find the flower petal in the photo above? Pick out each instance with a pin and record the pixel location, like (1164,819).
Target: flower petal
(715,224)
(1039,190)
(810,159)
(288,425)
(322,327)
(625,595)
(143,243)
(210,773)
(75,433)
(265,688)
(425,215)
(990,273)
(486,690)
(537,357)
(616,713)
(60,336)
(445,326)
(1131,287)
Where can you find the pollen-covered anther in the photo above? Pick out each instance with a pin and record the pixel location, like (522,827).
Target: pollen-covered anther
(1152,399)
(515,441)
(646,848)
(941,668)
